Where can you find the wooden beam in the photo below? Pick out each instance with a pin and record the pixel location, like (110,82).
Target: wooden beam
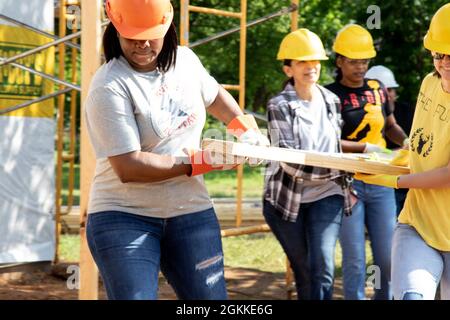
(90,61)
(294,16)
(244,230)
(351,162)
(184,22)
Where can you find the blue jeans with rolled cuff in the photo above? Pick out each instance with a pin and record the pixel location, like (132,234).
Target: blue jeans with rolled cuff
(130,250)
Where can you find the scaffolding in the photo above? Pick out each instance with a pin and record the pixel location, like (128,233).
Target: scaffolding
(64,88)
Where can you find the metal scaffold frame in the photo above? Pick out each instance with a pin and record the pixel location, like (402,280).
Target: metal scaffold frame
(64,88)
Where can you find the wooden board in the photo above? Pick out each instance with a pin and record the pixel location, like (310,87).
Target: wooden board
(351,162)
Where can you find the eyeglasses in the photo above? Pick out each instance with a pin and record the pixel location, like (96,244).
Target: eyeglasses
(355,62)
(440,56)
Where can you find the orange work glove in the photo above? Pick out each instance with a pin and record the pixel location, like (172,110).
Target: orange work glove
(384,180)
(202,161)
(246,129)
(401,159)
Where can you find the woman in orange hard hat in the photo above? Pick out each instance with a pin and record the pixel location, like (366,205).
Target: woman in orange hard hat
(421,244)
(148,207)
(304,205)
(367,120)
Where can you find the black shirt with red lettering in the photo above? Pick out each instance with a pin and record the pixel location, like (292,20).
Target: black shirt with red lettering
(364,111)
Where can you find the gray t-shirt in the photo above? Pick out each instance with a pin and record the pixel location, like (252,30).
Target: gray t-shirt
(316,134)
(154,112)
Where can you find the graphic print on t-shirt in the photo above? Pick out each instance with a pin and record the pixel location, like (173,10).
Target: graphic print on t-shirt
(421,142)
(363,110)
(174,113)
(373,119)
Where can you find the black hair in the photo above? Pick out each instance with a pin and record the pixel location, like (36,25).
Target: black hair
(338,71)
(166,58)
(287,62)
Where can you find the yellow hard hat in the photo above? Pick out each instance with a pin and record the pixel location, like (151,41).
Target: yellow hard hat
(302,45)
(438,36)
(354,42)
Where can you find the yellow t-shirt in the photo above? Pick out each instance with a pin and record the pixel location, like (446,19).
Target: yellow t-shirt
(428,210)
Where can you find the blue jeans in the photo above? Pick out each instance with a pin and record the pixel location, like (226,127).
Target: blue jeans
(417,268)
(376,211)
(129,251)
(309,244)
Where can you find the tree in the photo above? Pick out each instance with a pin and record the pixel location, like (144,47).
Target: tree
(399,40)
(404,24)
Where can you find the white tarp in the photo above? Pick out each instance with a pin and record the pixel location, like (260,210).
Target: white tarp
(27,166)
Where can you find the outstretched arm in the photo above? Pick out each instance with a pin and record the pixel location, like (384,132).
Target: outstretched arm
(432,179)
(436,178)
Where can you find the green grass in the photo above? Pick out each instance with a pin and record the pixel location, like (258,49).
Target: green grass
(263,252)
(256,251)
(223,184)
(220,184)
(69,248)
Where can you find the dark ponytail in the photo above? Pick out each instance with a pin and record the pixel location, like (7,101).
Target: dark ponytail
(337,72)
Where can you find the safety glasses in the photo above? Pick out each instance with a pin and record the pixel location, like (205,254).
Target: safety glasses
(355,62)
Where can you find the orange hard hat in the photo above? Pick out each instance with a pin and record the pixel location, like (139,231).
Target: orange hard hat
(140,19)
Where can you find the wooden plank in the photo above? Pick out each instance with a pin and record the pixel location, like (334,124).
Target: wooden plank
(244,230)
(341,161)
(90,58)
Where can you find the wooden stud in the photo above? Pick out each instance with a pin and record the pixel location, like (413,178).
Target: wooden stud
(90,57)
(245,230)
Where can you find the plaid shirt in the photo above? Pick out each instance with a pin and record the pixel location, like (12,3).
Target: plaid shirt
(284,180)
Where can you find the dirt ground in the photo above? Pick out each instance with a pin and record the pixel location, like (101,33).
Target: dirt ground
(50,283)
